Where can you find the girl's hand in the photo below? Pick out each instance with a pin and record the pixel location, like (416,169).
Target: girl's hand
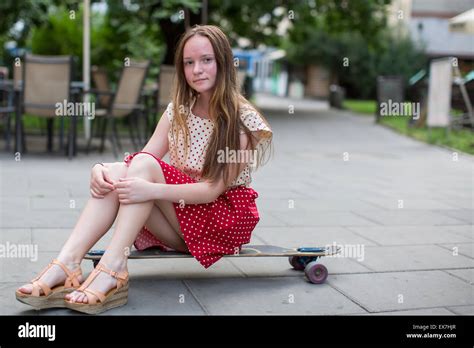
(101,184)
(134,190)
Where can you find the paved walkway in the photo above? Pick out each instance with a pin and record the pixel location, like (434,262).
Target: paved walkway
(404,207)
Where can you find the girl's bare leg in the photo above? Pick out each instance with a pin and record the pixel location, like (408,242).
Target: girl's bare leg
(162,229)
(130,219)
(96,219)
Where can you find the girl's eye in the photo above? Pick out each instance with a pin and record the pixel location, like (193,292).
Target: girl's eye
(207,60)
(188,62)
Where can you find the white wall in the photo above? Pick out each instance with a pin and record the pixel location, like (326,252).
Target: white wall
(435,33)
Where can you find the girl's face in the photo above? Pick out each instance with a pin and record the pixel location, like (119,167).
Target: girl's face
(200,67)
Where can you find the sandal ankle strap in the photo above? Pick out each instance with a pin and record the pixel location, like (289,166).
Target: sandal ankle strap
(122,277)
(71,279)
(117,275)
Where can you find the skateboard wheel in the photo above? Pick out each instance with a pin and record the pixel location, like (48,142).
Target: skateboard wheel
(295,261)
(316,272)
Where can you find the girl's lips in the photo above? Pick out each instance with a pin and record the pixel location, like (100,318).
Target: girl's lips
(198,81)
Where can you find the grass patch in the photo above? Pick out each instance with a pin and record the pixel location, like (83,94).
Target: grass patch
(367,107)
(462,140)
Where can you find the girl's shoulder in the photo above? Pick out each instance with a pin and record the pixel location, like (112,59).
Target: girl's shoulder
(169,112)
(252,119)
(187,109)
(247,110)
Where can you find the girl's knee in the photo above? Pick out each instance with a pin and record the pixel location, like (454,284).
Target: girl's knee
(144,162)
(117,170)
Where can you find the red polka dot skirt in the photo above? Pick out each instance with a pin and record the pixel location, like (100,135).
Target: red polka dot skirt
(210,230)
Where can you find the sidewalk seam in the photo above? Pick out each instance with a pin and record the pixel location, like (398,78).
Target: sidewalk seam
(348,297)
(365,217)
(348,228)
(450,249)
(455,276)
(203,307)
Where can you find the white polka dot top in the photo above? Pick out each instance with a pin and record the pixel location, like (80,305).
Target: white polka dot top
(200,131)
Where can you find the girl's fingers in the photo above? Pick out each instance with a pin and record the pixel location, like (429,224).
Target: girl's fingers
(121,184)
(98,190)
(98,194)
(95,195)
(107,177)
(103,191)
(102,186)
(105,185)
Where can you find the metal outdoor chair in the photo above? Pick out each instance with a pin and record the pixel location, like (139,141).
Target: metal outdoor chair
(46,82)
(124,102)
(7,107)
(165,84)
(102,87)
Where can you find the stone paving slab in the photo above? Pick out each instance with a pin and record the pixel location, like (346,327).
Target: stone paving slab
(415,257)
(464,249)
(410,203)
(279,266)
(270,296)
(463,203)
(269,219)
(23,269)
(13,203)
(300,218)
(15,236)
(309,236)
(424,311)
(58,204)
(40,219)
(378,292)
(146,297)
(465,215)
(412,235)
(159,297)
(311,205)
(466,274)
(462,310)
(409,217)
(8,303)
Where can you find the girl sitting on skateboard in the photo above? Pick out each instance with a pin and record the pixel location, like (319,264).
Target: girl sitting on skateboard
(201,203)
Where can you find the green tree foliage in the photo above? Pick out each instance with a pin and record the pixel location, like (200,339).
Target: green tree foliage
(353,42)
(321,31)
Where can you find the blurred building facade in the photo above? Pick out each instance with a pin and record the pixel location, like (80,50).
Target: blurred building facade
(427,23)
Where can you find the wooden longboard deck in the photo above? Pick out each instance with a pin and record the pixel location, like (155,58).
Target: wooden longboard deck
(247,251)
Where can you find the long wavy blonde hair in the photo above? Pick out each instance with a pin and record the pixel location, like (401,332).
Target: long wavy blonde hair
(224,107)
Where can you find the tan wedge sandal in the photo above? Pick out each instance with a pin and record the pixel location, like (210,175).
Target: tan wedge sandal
(51,298)
(115,297)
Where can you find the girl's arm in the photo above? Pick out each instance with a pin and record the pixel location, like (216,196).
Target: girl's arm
(197,193)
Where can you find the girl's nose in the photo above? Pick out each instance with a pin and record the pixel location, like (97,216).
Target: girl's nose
(197,68)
